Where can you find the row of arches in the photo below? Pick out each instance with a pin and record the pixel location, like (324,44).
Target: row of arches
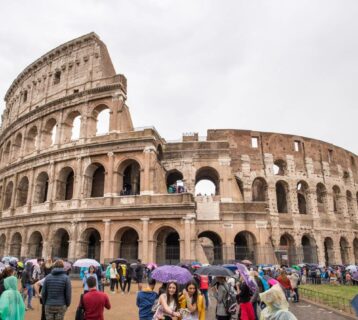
(71,129)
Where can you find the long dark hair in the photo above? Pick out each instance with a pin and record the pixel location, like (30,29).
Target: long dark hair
(194,299)
(175,295)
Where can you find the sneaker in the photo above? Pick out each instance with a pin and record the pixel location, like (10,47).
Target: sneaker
(30,308)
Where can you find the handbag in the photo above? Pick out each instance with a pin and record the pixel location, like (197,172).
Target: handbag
(80,312)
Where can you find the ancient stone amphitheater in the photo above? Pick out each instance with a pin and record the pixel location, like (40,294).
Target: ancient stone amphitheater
(277,198)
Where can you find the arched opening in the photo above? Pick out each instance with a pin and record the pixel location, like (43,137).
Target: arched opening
(6,155)
(245,246)
(32,140)
(302,195)
(281,196)
(48,134)
(61,244)
(212,246)
(22,191)
(16,148)
(35,245)
(336,200)
(321,192)
(94,180)
(2,245)
(168,247)
(8,195)
(279,167)
(350,204)
(129,178)
(92,241)
(328,251)
(259,190)
(127,240)
(102,116)
(207,182)
(41,188)
(309,249)
(344,248)
(65,184)
(287,253)
(175,182)
(71,128)
(355,248)
(15,245)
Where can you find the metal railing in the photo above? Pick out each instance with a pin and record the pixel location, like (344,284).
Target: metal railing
(336,302)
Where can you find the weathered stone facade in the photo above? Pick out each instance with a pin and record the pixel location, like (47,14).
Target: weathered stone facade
(278,197)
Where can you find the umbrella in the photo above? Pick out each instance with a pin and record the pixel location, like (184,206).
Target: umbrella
(231,267)
(168,273)
(9,259)
(272,282)
(86,263)
(352,268)
(134,265)
(152,265)
(2,267)
(296,267)
(246,262)
(355,276)
(355,304)
(217,271)
(33,261)
(67,266)
(119,261)
(246,276)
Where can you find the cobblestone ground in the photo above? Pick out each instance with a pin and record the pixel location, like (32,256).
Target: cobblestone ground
(124,308)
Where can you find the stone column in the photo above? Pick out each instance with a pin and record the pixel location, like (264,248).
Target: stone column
(147,180)
(187,237)
(13,196)
(105,254)
(77,179)
(145,240)
(108,184)
(60,128)
(117,105)
(72,255)
(24,244)
(225,193)
(30,193)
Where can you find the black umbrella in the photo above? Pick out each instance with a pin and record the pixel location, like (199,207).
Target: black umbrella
(216,271)
(119,261)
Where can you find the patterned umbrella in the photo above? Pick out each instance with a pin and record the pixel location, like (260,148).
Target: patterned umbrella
(246,276)
(152,265)
(86,263)
(168,273)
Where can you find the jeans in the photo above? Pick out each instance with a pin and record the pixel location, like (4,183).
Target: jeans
(297,297)
(206,296)
(55,312)
(114,283)
(287,294)
(29,294)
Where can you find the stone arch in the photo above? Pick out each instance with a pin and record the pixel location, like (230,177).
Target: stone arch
(350,204)
(344,249)
(309,249)
(212,245)
(259,190)
(129,172)
(282,192)
(279,167)
(322,203)
(65,184)
(49,132)
(32,140)
(126,240)
(2,245)
(15,245)
(71,127)
(328,251)
(8,195)
(174,181)
(336,199)
(7,153)
(16,148)
(167,245)
(288,255)
(355,249)
(302,191)
(245,246)
(60,244)
(91,244)
(22,192)
(207,174)
(94,180)
(35,245)
(41,188)
(100,125)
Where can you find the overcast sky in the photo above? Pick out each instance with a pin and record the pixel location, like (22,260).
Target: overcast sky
(284,66)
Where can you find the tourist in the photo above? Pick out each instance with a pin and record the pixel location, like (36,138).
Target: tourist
(94,301)
(192,300)
(90,273)
(285,283)
(276,305)
(122,274)
(12,306)
(168,303)
(47,267)
(294,279)
(246,307)
(129,276)
(56,292)
(139,271)
(146,300)
(113,277)
(221,292)
(204,287)
(37,289)
(7,272)
(38,273)
(26,282)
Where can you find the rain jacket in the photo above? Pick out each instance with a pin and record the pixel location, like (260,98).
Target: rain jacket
(199,304)
(277,306)
(145,302)
(12,306)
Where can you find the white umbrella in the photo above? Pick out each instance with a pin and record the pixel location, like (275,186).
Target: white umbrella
(86,263)
(2,267)
(9,259)
(352,268)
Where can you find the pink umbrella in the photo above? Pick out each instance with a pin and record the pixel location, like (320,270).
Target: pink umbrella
(33,261)
(152,265)
(272,282)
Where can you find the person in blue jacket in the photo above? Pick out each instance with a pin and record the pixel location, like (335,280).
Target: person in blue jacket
(145,301)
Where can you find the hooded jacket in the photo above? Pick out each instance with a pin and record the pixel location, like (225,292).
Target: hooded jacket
(12,306)
(56,290)
(145,302)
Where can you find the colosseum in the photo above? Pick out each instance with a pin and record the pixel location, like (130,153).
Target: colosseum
(108,189)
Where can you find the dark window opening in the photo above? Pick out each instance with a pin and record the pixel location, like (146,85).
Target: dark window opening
(57,77)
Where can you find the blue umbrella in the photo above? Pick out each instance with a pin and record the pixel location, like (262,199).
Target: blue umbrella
(231,267)
(355,304)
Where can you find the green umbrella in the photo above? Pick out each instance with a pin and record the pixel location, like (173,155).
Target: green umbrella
(296,267)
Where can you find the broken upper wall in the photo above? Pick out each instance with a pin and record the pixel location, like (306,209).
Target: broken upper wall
(80,64)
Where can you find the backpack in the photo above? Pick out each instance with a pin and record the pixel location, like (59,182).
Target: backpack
(230,302)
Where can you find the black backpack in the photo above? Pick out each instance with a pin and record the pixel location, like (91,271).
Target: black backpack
(230,301)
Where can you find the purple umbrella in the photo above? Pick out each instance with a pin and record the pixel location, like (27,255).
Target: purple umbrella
(166,274)
(245,275)
(355,276)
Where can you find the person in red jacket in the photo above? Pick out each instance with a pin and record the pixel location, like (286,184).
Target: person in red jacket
(204,286)
(285,283)
(94,301)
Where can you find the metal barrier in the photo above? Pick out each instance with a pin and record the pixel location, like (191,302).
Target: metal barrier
(336,302)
